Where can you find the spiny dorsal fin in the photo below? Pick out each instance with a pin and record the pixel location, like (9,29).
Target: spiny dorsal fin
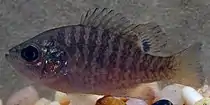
(105,19)
(150,37)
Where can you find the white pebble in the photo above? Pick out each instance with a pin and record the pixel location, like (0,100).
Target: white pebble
(60,95)
(54,103)
(25,96)
(190,95)
(1,102)
(43,101)
(173,93)
(133,101)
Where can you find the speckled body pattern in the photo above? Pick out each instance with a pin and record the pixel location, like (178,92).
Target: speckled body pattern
(101,60)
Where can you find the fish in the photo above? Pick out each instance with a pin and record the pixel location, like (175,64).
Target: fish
(105,54)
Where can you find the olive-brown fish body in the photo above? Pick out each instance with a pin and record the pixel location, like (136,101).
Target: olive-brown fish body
(97,60)
(104,55)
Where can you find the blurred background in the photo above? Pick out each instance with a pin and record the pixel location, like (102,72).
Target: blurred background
(185,21)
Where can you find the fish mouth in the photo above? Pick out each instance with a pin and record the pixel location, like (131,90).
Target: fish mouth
(6,55)
(11,54)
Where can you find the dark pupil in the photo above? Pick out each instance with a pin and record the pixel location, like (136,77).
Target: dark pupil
(29,53)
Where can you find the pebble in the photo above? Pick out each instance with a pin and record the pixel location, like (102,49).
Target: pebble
(173,93)
(205,91)
(204,101)
(54,103)
(190,95)
(133,101)
(147,92)
(109,100)
(163,102)
(1,102)
(60,95)
(25,96)
(43,101)
(64,101)
(62,98)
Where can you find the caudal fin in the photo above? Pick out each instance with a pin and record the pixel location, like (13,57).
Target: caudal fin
(189,71)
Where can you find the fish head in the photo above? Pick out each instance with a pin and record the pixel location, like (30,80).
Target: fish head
(40,59)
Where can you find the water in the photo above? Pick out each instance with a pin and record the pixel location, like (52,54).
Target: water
(183,20)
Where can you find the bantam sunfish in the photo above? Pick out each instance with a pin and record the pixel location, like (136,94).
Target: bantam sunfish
(104,54)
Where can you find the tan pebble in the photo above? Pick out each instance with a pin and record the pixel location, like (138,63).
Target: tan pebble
(43,101)
(25,96)
(60,95)
(204,101)
(205,91)
(62,98)
(64,101)
(147,92)
(109,100)
(54,103)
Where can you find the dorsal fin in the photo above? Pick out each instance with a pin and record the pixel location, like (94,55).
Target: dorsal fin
(105,19)
(150,37)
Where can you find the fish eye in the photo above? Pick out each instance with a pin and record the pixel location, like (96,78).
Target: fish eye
(29,53)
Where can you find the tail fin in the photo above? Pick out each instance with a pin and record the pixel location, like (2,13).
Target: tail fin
(189,71)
